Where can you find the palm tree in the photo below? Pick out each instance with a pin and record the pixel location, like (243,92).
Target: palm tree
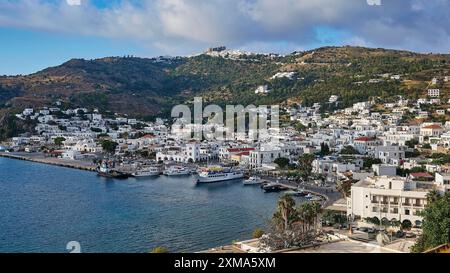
(308,214)
(285,212)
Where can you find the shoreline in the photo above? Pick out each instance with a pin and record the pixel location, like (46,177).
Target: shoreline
(41,159)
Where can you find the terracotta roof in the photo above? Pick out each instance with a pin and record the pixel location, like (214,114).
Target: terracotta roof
(364,139)
(434,126)
(421,175)
(236,150)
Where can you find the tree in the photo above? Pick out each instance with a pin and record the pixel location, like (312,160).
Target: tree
(324,149)
(292,226)
(285,214)
(411,143)
(426,146)
(109,146)
(331,217)
(257,233)
(349,150)
(305,165)
(436,223)
(59,141)
(369,161)
(282,162)
(433,196)
(344,187)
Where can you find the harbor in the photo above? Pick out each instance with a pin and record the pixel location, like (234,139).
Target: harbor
(51,206)
(275,184)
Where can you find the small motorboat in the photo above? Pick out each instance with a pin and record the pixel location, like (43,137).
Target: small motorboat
(309,196)
(253,180)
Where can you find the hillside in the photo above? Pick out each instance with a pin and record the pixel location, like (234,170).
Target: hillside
(148,87)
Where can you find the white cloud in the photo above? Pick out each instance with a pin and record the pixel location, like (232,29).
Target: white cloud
(73,2)
(182,26)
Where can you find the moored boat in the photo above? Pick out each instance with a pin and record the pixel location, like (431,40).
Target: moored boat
(106,169)
(253,180)
(218,174)
(274,187)
(147,172)
(176,171)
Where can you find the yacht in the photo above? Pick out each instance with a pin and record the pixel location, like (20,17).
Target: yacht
(253,180)
(218,174)
(147,172)
(176,171)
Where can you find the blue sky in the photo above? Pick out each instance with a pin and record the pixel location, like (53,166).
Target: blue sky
(35,34)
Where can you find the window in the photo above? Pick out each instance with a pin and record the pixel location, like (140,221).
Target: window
(407,212)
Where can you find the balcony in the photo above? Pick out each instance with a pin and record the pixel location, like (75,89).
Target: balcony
(407,204)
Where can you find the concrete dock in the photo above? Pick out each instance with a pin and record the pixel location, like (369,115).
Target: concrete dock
(41,158)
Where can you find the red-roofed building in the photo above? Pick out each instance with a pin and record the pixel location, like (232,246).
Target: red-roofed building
(364,144)
(422,176)
(227,153)
(431,130)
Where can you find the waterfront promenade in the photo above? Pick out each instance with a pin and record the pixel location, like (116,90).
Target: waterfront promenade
(330,194)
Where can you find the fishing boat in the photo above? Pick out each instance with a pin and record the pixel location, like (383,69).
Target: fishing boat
(106,169)
(218,174)
(176,171)
(147,172)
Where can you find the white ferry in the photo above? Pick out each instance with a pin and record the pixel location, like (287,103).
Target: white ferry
(176,171)
(147,172)
(217,174)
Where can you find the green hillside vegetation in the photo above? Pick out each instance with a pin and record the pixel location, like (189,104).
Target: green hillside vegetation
(146,88)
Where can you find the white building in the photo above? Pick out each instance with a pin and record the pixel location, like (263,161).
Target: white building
(390,154)
(258,158)
(393,198)
(434,93)
(384,170)
(186,154)
(262,89)
(443,181)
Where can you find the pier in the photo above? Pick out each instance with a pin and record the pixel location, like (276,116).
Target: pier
(41,158)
